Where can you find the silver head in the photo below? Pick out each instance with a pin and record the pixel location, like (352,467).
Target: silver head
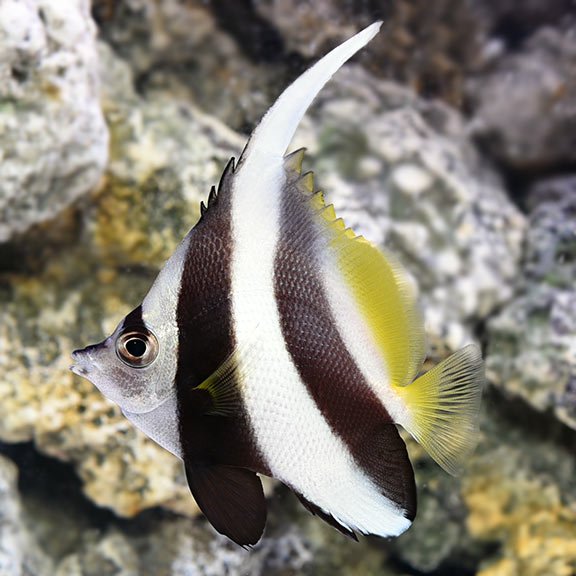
(136,366)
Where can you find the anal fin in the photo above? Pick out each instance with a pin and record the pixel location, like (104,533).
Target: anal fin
(328,518)
(231,498)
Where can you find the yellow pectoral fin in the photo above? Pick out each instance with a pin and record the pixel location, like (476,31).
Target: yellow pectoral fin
(222,386)
(443,407)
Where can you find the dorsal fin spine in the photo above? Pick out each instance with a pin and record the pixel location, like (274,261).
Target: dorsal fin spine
(293,161)
(307,180)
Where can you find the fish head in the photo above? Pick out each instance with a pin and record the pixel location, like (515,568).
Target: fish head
(135,366)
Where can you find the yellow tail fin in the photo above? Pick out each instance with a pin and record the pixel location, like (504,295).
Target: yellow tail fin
(443,405)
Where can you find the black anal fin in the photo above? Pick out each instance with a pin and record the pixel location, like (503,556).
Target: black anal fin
(385,458)
(328,518)
(231,498)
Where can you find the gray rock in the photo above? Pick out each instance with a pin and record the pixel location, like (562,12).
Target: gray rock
(53,139)
(532,342)
(20,554)
(179,49)
(397,168)
(525,107)
(430,49)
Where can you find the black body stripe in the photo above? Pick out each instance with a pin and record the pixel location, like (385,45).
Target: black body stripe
(206,339)
(324,363)
(133,320)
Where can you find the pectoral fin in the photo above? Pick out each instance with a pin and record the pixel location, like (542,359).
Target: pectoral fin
(219,394)
(232,499)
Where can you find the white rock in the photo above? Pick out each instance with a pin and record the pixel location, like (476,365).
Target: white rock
(53,137)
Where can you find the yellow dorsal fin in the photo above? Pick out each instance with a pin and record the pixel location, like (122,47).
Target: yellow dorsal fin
(307,181)
(380,287)
(443,405)
(385,297)
(293,161)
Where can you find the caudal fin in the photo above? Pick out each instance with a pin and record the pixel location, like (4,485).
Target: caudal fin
(443,406)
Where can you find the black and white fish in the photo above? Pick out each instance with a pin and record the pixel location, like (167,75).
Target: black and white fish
(275,341)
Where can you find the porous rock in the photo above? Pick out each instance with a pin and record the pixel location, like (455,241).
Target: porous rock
(428,47)
(525,105)
(180,49)
(164,158)
(19,552)
(397,169)
(53,138)
(520,494)
(532,342)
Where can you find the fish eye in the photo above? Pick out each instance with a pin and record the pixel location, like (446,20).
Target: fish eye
(137,349)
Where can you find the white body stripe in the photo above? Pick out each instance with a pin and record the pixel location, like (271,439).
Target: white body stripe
(297,443)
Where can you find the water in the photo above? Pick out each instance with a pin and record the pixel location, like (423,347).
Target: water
(449,140)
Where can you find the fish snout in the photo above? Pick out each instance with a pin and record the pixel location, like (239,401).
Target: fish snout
(84,359)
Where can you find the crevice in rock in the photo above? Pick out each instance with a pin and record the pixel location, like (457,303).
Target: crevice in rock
(516,413)
(259,40)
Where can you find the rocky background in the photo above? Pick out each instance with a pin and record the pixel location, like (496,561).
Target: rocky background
(451,138)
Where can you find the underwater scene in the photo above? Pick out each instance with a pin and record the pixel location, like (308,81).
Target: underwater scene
(287,287)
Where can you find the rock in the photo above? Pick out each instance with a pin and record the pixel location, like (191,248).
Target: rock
(396,167)
(430,49)
(53,138)
(513,23)
(19,552)
(78,539)
(112,555)
(179,547)
(532,92)
(179,49)
(520,495)
(401,171)
(164,158)
(532,342)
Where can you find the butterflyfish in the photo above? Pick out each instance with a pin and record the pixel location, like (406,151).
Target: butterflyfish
(277,342)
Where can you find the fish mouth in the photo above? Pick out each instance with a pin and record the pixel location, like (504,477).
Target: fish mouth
(83,360)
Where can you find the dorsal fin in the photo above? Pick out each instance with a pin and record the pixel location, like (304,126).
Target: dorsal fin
(293,161)
(379,285)
(272,136)
(385,296)
(224,186)
(226,177)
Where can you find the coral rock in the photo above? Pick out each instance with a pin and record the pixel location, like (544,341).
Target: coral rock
(53,138)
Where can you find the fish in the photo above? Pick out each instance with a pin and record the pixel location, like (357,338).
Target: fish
(277,342)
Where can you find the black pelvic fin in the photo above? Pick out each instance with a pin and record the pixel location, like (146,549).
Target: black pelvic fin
(232,499)
(328,518)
